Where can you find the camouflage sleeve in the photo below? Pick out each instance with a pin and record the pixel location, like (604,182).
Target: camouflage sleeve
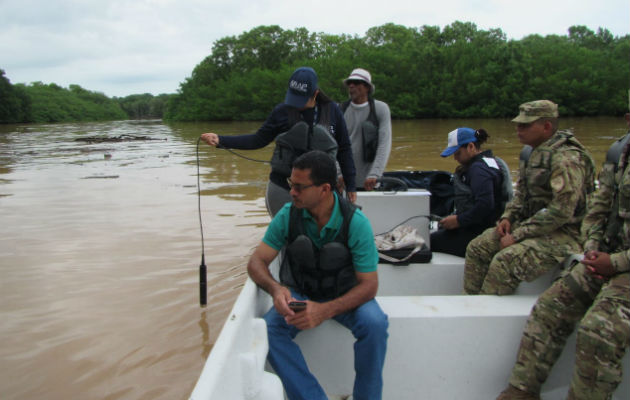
(621,261)
(514,209)
(567,182)
(594,222)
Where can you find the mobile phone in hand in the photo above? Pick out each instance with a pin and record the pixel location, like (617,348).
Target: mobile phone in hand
(297,305)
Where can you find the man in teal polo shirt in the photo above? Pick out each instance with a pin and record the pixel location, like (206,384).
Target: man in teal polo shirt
(330,265)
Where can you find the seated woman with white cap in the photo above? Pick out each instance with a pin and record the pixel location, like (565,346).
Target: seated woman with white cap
(481,183)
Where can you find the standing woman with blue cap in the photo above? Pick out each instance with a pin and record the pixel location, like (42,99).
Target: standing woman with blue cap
(307,120)
(480,193)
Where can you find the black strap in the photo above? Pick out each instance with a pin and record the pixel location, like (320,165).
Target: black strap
(347,212)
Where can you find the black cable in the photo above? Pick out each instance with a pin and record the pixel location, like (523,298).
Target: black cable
(203,283)
(199,198)
(203,280)
(242,156)
(408,219)
(202,267)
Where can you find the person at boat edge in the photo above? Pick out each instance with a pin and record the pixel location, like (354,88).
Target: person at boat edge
(330,262)
(540,226)
(370,128)
(306,120)
(482,185)
(593,294)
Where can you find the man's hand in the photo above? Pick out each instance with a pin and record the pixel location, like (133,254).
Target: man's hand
(507,240)
(504,227)
(210,138)
(341,184)
(281,298)
(369,184)
(352,196)
(314,314)
(449,222)
(598,263)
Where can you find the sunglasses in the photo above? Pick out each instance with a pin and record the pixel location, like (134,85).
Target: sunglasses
(298,186)
(355,82)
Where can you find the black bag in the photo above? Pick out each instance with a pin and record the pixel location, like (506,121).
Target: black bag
(424,255)
(439,183)
(401,246)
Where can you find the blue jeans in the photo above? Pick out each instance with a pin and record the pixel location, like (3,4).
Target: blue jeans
(368,324)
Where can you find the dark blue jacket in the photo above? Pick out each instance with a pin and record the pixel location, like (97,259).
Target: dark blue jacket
(485,183)
(278,122)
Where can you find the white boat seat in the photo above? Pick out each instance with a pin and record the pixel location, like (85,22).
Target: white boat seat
(444,347)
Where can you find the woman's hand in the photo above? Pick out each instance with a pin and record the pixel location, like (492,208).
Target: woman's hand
(449,222)
(210,138)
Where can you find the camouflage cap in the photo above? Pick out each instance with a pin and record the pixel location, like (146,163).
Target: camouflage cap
(533,110)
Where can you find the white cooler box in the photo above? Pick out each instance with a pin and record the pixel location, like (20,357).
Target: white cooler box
(386,210)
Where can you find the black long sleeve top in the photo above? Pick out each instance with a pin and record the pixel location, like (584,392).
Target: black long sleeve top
(278,122)
(485,183)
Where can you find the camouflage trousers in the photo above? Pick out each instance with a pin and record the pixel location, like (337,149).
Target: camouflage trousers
(602,309)
(492,270)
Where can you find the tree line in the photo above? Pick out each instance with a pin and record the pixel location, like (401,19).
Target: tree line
(44,103)
(427,72)
(459,71)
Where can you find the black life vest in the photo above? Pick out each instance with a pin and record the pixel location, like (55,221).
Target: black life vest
(613,155)
(320,273)
(369,131)
(302,138)
(507,190)
(612,175)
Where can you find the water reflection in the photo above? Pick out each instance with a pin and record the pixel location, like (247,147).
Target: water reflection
(206,346)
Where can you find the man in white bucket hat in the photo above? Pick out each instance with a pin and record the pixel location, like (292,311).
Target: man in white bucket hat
(370,128)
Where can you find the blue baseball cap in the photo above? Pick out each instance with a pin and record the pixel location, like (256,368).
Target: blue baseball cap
(302,86)
(457,138)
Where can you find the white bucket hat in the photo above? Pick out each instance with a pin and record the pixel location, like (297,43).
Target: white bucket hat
(360,74)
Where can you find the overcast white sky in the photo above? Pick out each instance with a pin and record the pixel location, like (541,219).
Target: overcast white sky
(123,47)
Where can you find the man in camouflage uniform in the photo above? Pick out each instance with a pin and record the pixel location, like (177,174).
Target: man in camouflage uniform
(541,225)
(594,293)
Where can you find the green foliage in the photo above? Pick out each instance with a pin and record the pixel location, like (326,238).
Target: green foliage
(424,72)
(52,103)
(144,106)
(457,72)
(41,103)
(14,103)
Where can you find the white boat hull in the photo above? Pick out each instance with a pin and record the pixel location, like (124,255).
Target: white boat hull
(442,345)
